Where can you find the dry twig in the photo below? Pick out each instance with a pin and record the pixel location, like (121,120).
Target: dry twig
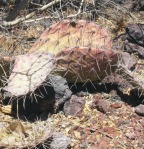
(79,11)
(49,17)
(30,15)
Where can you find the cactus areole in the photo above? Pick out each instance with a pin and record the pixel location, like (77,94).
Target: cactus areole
(79,51)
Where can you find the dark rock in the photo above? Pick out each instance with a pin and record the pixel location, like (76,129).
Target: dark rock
(129,61)
(139,5)
(133,5)
(136,33)
(134,48)
(102,105)
(74,106)
(61,88)
(140,110)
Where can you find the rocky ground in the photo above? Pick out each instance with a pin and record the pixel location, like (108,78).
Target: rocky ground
(108,115)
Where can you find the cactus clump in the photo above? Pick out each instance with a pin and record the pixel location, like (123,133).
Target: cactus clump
(83,50)
(79,51)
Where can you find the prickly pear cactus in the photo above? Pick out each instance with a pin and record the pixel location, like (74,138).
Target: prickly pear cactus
(79,51)
(68,35)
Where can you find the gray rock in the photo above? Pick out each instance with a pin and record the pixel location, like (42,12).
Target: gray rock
(61,88)
(134,48)
(135,33)
(140,109)
(74,106)
(60,141)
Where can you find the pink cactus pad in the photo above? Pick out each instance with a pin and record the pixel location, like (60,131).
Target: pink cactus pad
(29,72)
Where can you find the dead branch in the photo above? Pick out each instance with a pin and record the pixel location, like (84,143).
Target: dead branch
(7,59)
(5,23)
(79,11)
(39,19)
(49,17)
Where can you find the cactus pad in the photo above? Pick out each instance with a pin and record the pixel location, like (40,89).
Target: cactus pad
(66,34)
(29,72)
(83,64)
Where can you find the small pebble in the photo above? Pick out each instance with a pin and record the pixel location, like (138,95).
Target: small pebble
(116,105)
(130,135)
(140,110)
